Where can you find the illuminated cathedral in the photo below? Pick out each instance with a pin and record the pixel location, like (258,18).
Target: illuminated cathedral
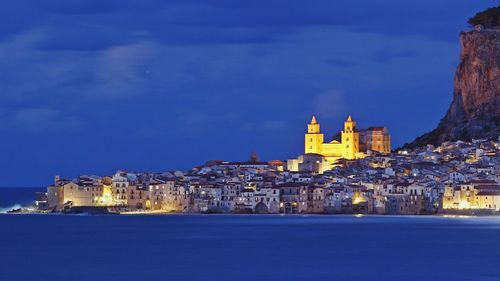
(353,143)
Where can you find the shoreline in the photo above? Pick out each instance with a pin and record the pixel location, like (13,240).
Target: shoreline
(166,213)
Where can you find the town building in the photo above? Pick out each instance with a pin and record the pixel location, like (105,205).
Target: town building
(455,177)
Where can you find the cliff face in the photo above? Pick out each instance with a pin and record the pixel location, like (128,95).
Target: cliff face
(475,109)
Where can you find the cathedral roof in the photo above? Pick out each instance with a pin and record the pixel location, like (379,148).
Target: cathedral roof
(313,120)
(376,128)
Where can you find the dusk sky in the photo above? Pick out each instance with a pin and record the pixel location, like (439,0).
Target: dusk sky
(89,87)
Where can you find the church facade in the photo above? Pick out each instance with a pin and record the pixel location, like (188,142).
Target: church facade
(354,144)
(347,148)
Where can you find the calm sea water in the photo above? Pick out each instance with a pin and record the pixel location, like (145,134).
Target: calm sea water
(248,247)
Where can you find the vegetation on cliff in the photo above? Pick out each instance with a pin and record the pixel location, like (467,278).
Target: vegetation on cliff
(487,18)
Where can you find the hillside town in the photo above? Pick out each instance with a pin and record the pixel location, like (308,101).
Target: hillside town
(453,178)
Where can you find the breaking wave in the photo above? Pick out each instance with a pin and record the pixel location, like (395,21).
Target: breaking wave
(4,210)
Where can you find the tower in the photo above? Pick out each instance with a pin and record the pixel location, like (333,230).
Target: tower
(254,158)
(350,139)
(313,137)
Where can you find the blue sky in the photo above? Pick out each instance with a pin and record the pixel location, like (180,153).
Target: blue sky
(92,86)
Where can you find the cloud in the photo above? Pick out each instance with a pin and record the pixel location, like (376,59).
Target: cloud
(18,45)
(85,37)
(37,120)
(340,62)
(94,25)
(81,7)
(194,120)
(120,72)
(99,85)
(17,17)
(274,125)
(330,105)
(26,73)
(266,126)
(30,76)
(67,90)
(388,56)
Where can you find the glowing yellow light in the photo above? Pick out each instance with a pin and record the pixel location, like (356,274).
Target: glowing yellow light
(357,199)
(464,205)
(106,198)
(458,216)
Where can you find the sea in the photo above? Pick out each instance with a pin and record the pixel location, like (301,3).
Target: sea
(16,197)
(246,247)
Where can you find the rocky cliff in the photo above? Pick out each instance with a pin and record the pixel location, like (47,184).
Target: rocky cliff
(475,109)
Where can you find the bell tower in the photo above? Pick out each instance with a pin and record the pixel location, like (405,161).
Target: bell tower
(313,137)
(350,139)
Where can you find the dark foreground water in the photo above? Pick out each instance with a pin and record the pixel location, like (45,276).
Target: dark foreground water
(248,247)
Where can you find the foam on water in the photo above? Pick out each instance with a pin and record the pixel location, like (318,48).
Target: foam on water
(13,207)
